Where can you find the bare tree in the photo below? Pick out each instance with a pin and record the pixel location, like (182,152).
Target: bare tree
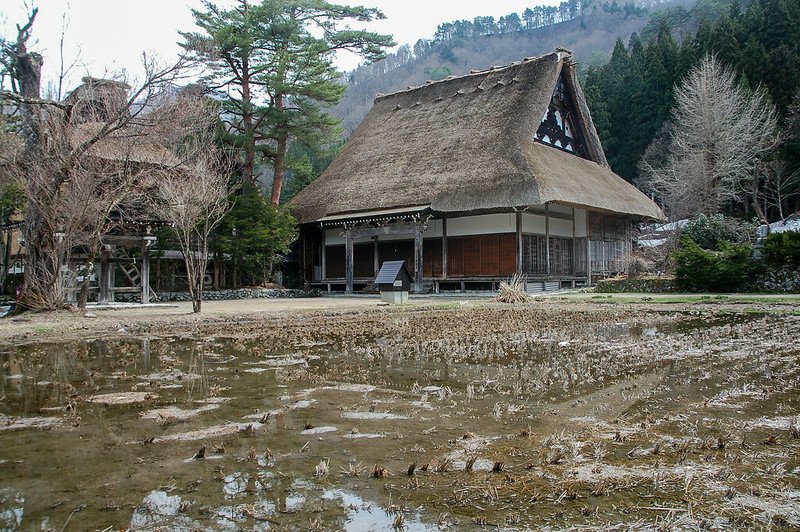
(193,197)
(708,153)
(773,185)
(81,159)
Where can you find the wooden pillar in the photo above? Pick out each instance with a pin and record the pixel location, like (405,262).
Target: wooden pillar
(574,247)
(111,280)
(145,273)
(376,266)
(418,267)
(588,248)
(305,264)
(444,248)
(348,260)
(104,275)
(547,236)
(603,266)
(603,260)
(7,258)
(323,274)
(519,242)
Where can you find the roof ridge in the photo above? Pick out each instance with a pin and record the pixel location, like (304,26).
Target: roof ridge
(560,53)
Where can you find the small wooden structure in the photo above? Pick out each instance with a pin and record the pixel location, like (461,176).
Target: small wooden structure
(135,270)
(394,282)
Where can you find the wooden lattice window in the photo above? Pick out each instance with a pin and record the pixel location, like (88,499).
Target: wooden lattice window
(558,125)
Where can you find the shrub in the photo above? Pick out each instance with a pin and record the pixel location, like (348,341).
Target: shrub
(708,231)
(782,249)
(730,269)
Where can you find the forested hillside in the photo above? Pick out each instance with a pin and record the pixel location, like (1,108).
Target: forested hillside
(632,96)
(589,28)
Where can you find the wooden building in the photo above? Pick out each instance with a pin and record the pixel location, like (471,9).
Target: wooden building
(122,266)
(470,180)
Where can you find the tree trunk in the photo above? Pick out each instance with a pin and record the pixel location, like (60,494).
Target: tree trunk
(41,288)
(759,211)
(248,173)
(28,72)
(197,296)
(280,157)
(83,295)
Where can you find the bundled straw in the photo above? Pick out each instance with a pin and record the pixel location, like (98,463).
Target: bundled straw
(514,290)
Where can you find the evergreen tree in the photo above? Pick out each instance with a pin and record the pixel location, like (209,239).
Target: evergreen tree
(254,234)
(275,60)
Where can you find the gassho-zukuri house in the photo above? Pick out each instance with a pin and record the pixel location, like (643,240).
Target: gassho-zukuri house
(471,180)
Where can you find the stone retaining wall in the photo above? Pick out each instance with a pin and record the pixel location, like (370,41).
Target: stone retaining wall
(785,280)
(234,293)
(647,285)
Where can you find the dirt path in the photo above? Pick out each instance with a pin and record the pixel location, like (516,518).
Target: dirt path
(222,316)
(168,317)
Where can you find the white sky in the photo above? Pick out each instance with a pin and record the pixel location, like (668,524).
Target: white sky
(110,35)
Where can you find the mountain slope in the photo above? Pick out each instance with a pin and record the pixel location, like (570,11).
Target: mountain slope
(591,35)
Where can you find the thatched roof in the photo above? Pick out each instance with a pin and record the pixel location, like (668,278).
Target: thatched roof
(98,99)
(466,144)
(123,146)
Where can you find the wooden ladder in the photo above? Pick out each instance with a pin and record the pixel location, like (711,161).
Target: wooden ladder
(132,271)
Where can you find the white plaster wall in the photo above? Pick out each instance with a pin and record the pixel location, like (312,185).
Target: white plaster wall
(481,225)
(332,237)
(580,223)
(559,227)
(533,223)
(435,229)
(563,209)
(485,224)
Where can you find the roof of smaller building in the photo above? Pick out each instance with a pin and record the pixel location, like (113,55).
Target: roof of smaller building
(790,223)
(390,270)
(123,146)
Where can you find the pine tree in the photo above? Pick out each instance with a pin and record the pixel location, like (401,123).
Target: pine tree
(275,60)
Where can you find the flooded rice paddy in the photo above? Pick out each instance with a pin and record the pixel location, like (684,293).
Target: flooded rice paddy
(517,418)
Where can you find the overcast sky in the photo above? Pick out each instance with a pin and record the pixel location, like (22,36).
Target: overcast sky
(110,35)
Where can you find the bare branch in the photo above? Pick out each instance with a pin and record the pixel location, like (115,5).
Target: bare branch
(18,98)
(194,197)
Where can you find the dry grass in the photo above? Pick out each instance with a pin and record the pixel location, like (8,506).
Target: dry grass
(513,291)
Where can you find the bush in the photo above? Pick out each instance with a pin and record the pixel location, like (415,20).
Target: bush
(782,250)
(731,269)
(708,231)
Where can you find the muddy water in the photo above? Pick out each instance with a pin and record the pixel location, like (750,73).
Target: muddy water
(504,427)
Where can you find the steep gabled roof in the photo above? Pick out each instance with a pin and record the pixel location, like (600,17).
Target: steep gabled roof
(466,144)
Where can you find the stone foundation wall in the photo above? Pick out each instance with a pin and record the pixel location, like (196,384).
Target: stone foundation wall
(220,295)
(785,280)
(647,285)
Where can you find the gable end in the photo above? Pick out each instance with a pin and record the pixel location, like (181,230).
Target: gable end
(561,127)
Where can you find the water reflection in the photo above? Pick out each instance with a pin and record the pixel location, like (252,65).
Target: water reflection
(132,415)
